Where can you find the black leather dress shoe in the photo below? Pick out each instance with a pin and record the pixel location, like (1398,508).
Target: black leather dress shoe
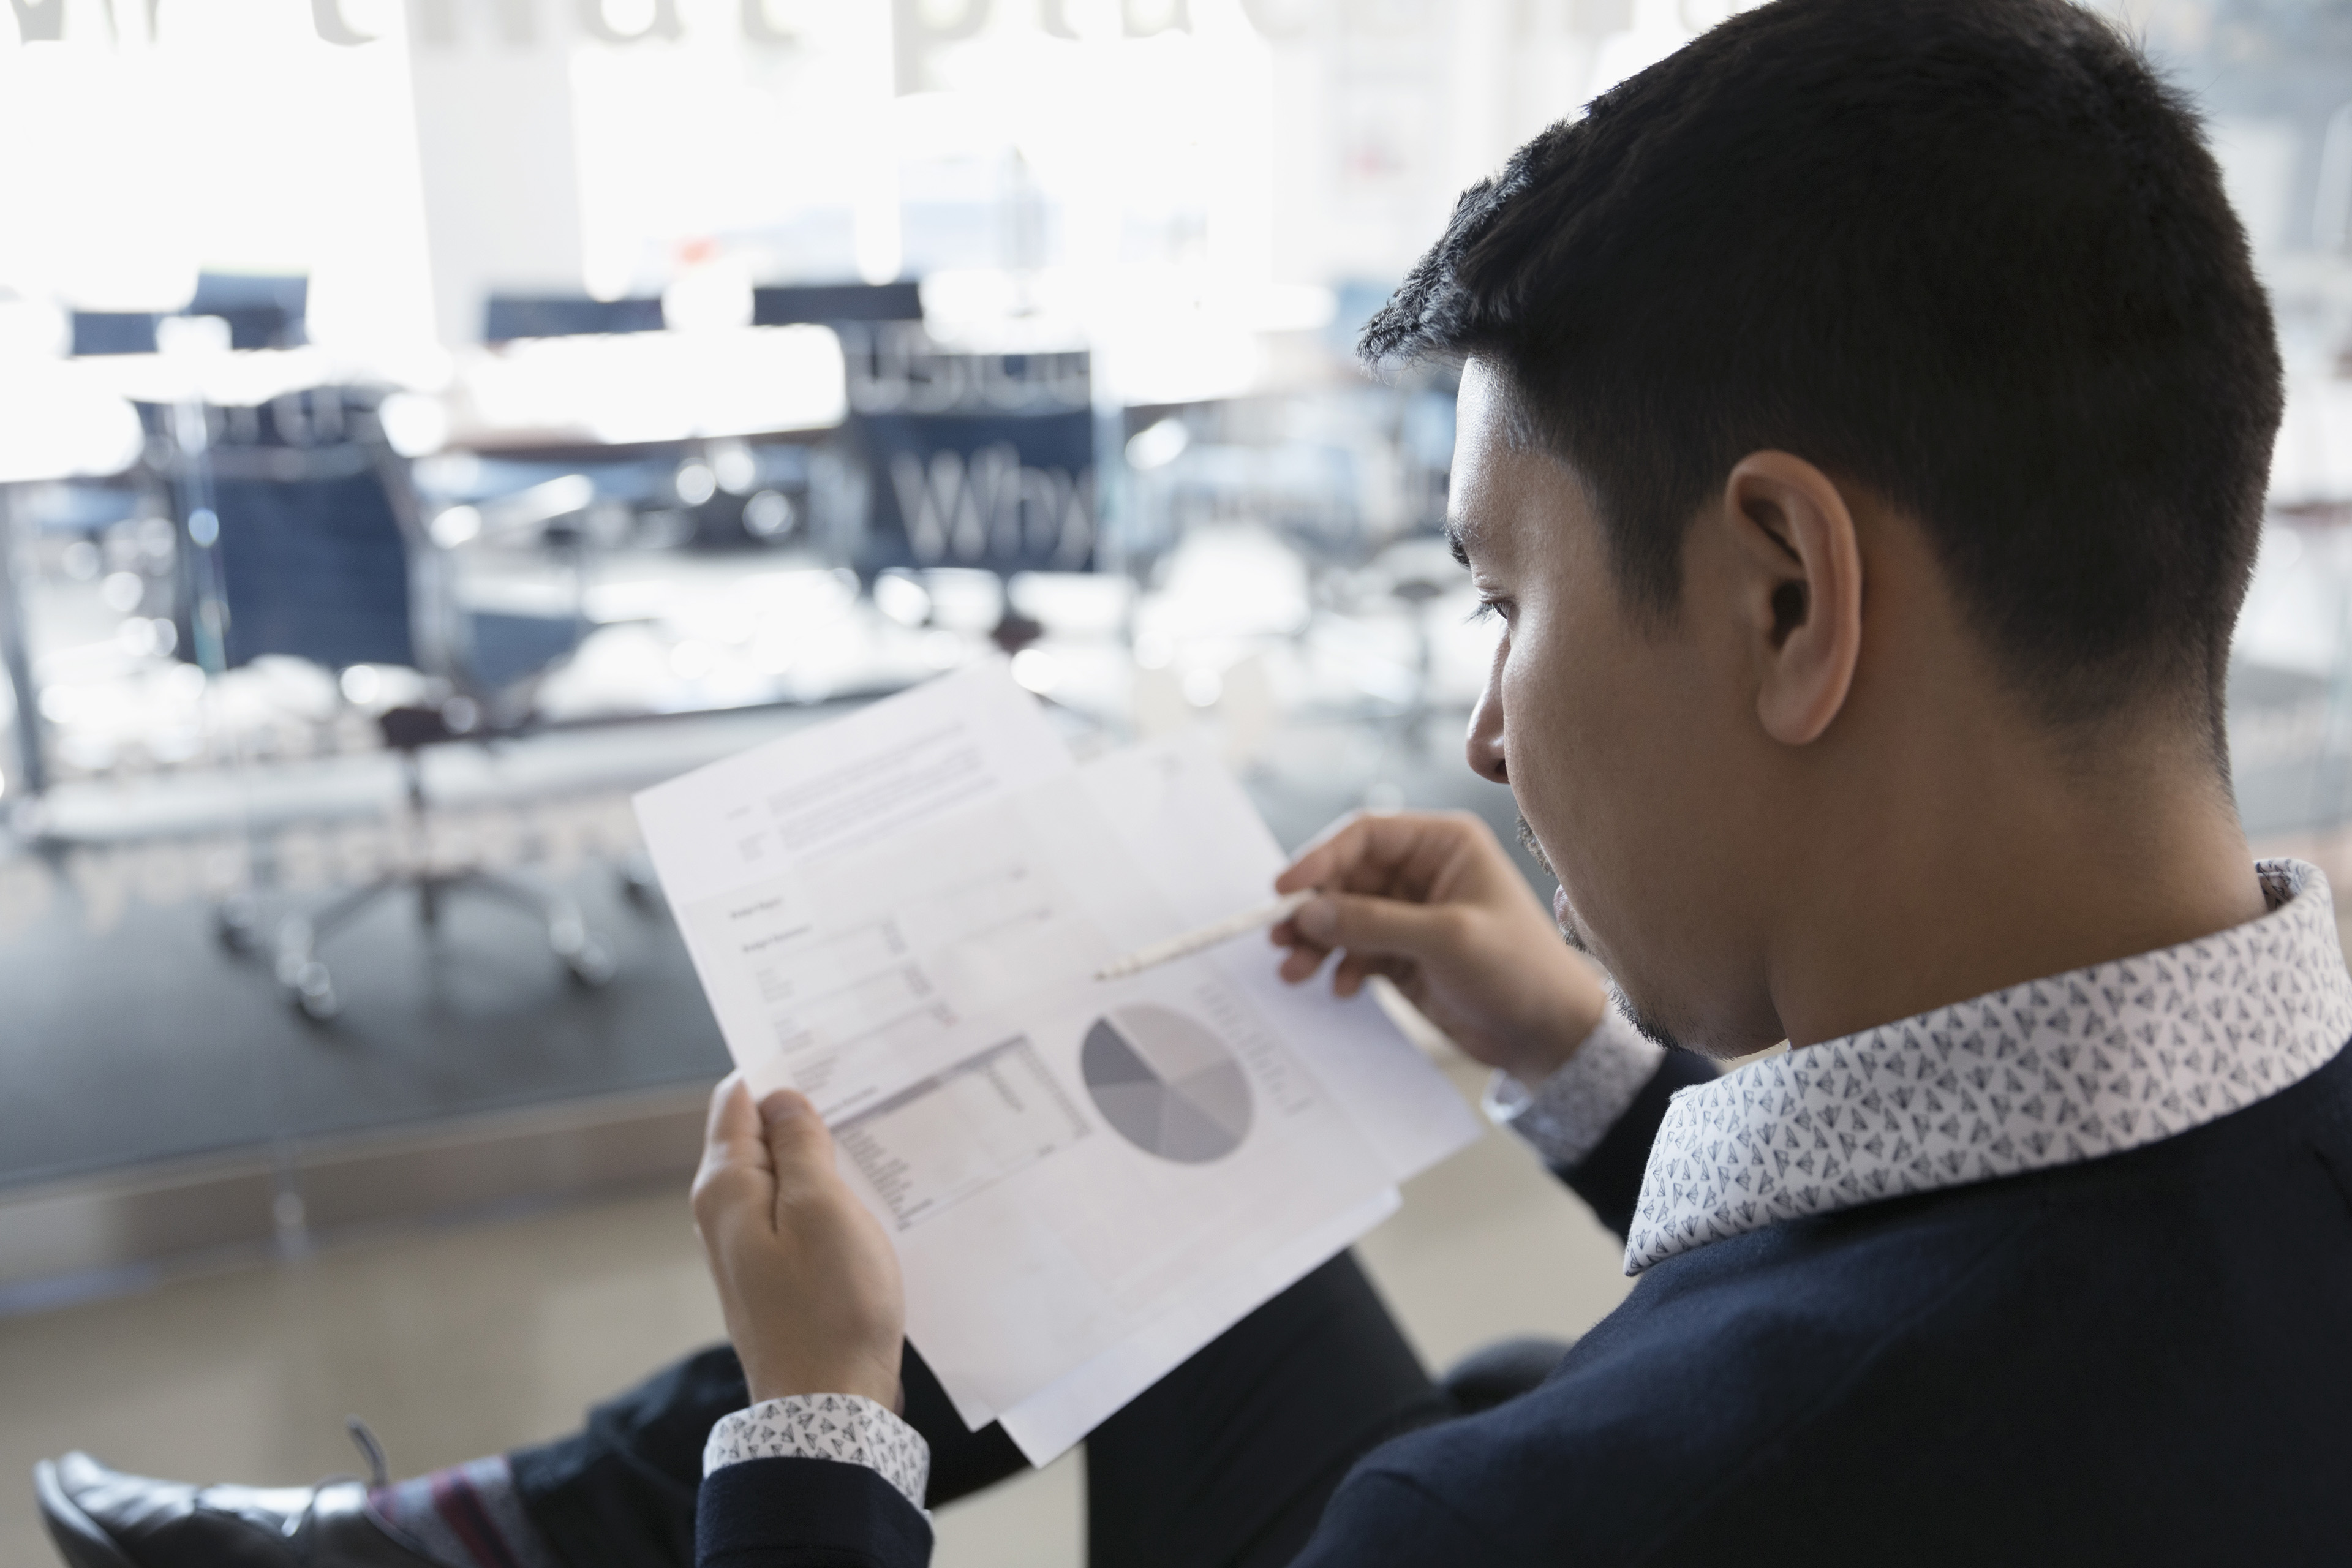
(104,1519)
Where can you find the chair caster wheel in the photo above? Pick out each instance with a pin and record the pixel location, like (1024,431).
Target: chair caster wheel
(312,992)
(234,927)
(590,964)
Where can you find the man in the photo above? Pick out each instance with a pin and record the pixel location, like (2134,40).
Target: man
(1865,422)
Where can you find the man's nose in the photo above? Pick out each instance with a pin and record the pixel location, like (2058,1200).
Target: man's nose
(1485,743)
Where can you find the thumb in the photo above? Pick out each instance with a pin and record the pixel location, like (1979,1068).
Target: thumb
(1375,927)
(798,1142)
(737,1175)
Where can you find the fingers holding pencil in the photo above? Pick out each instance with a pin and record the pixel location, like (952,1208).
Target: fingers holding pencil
(1204,937)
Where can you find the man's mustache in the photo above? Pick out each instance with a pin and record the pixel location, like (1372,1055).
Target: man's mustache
(1574,935)
(1567,928)
(1527,842)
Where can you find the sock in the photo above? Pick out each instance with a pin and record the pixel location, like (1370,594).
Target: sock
(467,1516)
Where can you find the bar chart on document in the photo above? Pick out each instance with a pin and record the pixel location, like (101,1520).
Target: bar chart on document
(962,1131)
(856,979)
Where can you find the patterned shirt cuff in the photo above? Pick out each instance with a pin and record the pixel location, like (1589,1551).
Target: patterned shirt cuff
(1567,1114)
(847,1427)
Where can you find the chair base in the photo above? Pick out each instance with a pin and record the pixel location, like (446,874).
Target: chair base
(310,986)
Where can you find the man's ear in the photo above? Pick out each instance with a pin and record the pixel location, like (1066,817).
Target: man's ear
(1801,586)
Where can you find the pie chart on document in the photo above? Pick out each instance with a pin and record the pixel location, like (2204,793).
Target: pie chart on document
(1165,1084)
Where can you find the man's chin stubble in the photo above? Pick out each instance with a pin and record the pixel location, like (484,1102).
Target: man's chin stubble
(1647,1025)
(1527,842)
(1567,928)
(1570,934)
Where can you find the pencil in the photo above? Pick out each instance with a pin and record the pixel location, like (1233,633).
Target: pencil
(1207,936)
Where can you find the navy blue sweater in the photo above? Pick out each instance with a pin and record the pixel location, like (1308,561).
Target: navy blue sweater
(2140,1359)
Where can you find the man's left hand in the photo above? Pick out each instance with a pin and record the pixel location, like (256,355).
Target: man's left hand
(807,1280)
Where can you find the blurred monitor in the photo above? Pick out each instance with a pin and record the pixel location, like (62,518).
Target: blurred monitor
(263,311)
(114,332)
(510,316)
(788,305)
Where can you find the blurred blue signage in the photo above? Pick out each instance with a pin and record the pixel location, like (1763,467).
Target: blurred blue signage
(1005,493)
(977,459)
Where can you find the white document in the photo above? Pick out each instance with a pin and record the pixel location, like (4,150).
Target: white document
(1195,835)
(962,739)
(1049,1423)
(900,914)
(1206,851)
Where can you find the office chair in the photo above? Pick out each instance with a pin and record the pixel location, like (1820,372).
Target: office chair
(301,536)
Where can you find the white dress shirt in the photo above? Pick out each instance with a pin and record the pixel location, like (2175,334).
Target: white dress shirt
(2052,1071)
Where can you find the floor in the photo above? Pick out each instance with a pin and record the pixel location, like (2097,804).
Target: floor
(458,1342)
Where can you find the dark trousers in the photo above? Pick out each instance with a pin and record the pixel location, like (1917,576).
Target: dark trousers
(1228,1460)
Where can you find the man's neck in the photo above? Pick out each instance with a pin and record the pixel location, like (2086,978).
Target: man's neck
(1987,877)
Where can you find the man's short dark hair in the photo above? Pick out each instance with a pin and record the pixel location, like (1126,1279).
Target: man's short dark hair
(1970,255)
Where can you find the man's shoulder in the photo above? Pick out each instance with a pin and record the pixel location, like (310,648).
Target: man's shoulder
(1750,1344)
(1985,1353)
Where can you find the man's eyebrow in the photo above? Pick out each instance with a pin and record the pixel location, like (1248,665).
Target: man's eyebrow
(1455,542)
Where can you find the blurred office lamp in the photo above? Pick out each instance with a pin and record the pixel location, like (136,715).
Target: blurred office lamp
(300,536)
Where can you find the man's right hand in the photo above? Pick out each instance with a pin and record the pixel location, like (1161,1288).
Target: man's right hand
(1433,902)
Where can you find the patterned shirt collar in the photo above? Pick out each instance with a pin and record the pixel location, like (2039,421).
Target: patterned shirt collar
(2046,1073)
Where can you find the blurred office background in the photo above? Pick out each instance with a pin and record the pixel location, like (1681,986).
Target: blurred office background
(421,424)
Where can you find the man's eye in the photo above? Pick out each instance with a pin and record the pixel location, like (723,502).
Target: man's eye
(1491,609)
